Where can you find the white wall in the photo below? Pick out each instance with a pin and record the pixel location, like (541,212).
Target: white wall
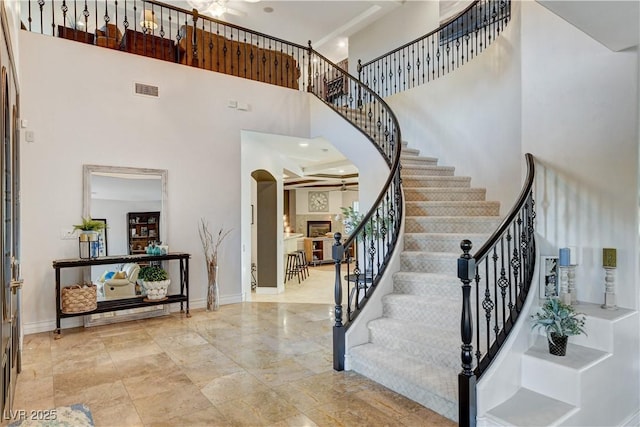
(406,23)
(84,112)
(580,120)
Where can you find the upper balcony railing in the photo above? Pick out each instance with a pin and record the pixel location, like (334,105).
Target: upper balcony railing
(161,31)
(438,52)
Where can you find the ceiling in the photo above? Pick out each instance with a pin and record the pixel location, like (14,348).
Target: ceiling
(310,163)
(614,23)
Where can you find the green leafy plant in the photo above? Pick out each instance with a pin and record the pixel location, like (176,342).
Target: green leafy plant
(352,219)
(153,273)
(558,318)
(89,224)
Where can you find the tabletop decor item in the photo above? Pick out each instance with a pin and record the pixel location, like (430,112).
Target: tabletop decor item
(155,281)
(609,263)
(210,248)
(89,239)
(559,321)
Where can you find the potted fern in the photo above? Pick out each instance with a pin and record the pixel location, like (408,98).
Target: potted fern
(559,321)
(155,281)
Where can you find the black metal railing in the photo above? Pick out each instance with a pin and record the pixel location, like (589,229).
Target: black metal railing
(439,52)
(495,285)
(362,257)
(161,31)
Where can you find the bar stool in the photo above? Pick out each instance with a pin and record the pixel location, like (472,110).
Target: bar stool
(293,266)
(304,265)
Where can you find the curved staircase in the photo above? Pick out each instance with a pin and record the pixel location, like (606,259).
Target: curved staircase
(414,348)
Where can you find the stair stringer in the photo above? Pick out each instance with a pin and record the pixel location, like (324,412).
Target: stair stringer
(358,332)
(503,377)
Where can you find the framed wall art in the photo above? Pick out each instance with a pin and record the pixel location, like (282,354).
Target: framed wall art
(549,277)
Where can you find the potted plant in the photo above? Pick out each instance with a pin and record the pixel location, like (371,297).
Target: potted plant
(155,281)
(559,321)
(89,242)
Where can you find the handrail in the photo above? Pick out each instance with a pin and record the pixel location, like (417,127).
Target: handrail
(365,254)
(506,276)
(438,52)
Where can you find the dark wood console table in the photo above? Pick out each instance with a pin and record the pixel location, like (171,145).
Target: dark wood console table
(127,303)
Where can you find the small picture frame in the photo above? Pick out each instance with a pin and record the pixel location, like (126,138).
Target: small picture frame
(102,238)
(549,278)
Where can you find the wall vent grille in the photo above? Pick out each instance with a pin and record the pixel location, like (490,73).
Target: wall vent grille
(146,90)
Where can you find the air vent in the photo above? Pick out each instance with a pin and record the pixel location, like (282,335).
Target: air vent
(147,90)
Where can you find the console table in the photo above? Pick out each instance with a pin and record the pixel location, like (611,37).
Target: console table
(128,303)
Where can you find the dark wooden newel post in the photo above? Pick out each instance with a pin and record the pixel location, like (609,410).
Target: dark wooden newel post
(466,378)
(338,329)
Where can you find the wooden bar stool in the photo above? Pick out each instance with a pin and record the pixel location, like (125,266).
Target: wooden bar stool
(293,266)
(304,265)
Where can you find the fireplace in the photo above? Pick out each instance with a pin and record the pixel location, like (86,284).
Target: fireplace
(318,228)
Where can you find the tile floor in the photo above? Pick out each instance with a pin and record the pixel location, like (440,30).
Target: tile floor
(248,364)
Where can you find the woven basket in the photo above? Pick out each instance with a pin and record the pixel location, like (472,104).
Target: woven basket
(79,299)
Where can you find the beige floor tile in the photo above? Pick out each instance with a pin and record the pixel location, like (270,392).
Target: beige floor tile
(202,373)
(232,387)
(249,364)
(32,390)
(260,408)
(171,404)
(122,414)
(157,382)
(210,417)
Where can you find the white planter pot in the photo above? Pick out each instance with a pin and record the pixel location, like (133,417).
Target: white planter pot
(156,290)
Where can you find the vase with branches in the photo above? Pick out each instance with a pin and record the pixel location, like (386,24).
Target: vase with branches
(210,245)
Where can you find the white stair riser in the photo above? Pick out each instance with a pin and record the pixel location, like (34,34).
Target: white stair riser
(453,209)
(463,225)
(453,194)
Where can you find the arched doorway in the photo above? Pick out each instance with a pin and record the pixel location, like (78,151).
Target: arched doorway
(266,229)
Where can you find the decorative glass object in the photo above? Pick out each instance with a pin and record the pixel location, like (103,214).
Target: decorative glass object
(213,293)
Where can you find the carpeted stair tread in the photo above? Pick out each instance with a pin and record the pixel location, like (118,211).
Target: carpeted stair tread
(426,170)
(454,224)
(430,385)
(431,344)
(406,151)
(452,208)
(444,194)
(434,262)
(427,284)
(439,242)
(409,181)
(416,308)
(406,159)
